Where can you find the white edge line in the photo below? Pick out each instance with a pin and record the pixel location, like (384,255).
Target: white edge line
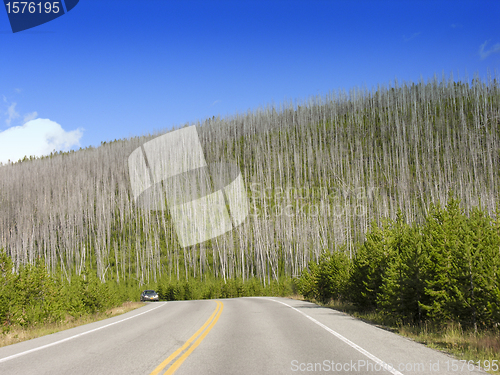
(72,337)
(385,366)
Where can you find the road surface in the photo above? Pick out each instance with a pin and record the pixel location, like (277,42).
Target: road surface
(252,335)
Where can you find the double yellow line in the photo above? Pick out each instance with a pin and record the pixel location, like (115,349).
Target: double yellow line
(189,344)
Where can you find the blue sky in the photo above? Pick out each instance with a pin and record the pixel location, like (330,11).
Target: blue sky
(112,69)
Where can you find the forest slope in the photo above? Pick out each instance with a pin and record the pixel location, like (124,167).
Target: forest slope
(317,174)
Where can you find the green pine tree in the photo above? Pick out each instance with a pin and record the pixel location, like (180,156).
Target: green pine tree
(402,291)
(444,246)
(369,266)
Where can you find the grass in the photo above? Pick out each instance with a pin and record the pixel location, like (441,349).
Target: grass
(18,334)
(482,347)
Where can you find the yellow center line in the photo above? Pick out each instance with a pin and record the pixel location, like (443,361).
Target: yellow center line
(183,357)
(177,363)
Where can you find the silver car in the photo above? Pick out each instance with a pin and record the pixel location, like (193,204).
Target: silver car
(149,295)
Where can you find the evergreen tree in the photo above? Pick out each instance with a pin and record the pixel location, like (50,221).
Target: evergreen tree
(402,290)
(444,247)
(6,290)
(369,266)
(478,295)
(332,276)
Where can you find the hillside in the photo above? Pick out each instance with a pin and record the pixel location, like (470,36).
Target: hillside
(317,174)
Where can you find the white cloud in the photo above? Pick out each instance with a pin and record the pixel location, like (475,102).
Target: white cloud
(37,137)
(484,54)
(30,116)
(11,112)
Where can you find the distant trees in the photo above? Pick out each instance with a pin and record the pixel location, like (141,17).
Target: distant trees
(321,172)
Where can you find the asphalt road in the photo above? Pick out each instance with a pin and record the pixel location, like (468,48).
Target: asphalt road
(227,336)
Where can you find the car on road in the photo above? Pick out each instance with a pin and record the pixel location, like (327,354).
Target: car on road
(149,295)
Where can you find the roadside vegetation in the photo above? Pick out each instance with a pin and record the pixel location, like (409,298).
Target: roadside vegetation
(33,296)
(437,282)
